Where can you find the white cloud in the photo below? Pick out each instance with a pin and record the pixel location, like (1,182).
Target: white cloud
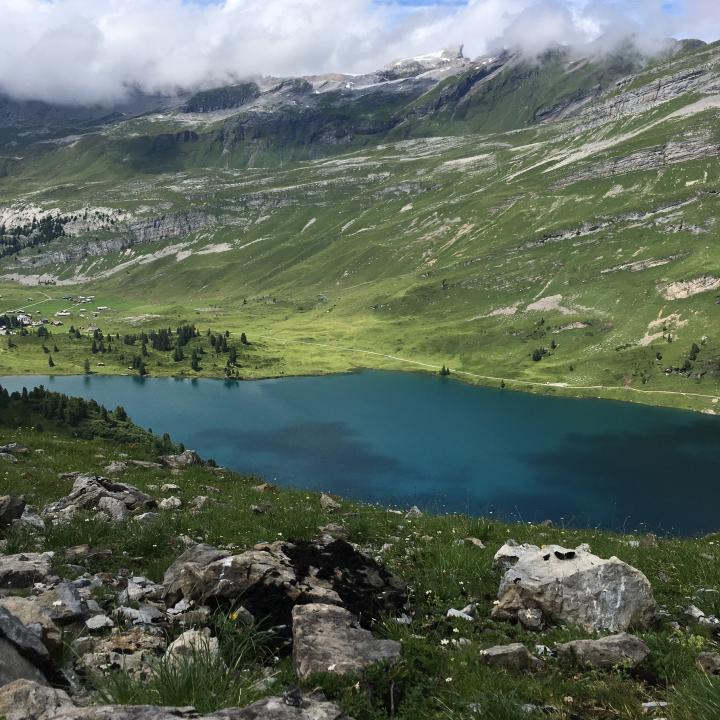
(96,50)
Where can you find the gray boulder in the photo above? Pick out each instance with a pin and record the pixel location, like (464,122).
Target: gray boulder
(90,492)
(514,657)
(270,579)
(578,588)
(327,638)
(23,700)
(607,652)
(24,570)
(11,508)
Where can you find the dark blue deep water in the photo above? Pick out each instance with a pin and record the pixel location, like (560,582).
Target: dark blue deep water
(405,439)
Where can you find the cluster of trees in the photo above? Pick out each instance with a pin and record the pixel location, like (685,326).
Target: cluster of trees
(38,232)
(86,418)
(161,340)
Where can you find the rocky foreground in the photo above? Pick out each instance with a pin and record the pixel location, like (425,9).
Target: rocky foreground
(75,618)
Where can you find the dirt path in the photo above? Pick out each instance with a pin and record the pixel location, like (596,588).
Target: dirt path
(465,373)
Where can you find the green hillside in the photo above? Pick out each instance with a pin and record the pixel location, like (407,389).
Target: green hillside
(550,224)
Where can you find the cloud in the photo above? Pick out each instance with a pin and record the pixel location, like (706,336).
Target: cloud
(87,51)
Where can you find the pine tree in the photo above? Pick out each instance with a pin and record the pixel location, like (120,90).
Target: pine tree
(50,361)
(87,366)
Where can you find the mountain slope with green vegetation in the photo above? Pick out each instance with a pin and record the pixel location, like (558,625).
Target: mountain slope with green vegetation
(547,224)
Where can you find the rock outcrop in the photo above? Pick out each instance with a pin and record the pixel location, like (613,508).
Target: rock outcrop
(90,492)
(576,587)
(271,579)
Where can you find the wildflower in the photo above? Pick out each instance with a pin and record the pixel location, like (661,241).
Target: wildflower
(448,679)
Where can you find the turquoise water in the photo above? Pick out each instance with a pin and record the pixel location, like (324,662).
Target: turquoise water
(405,439)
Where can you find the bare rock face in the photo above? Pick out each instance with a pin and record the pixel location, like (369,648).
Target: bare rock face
(607,652)
(514,657)
(577,588)
(11,508)
(24,570)
(327,638)
(270,579)
(91,492)
(25,700)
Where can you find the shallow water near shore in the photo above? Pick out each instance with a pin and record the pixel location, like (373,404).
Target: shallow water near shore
(404,439)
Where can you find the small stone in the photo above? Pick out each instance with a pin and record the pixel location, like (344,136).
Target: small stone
(514,656)
(262,509)
(99,622)
(462,614)
(328,503)
(183,460)
(530,618)
(116,467)
(171,503)
(476,542)
(607,652)
(147,518)
(263,488)
(191,645)
(200,502)
(413,513)
(170,487)
(334,530)
(84,553)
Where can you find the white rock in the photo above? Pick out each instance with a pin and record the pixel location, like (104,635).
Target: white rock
(99,622)
(171,503)
(193,644)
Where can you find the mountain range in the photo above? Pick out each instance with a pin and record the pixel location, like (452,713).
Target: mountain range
(548,221)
